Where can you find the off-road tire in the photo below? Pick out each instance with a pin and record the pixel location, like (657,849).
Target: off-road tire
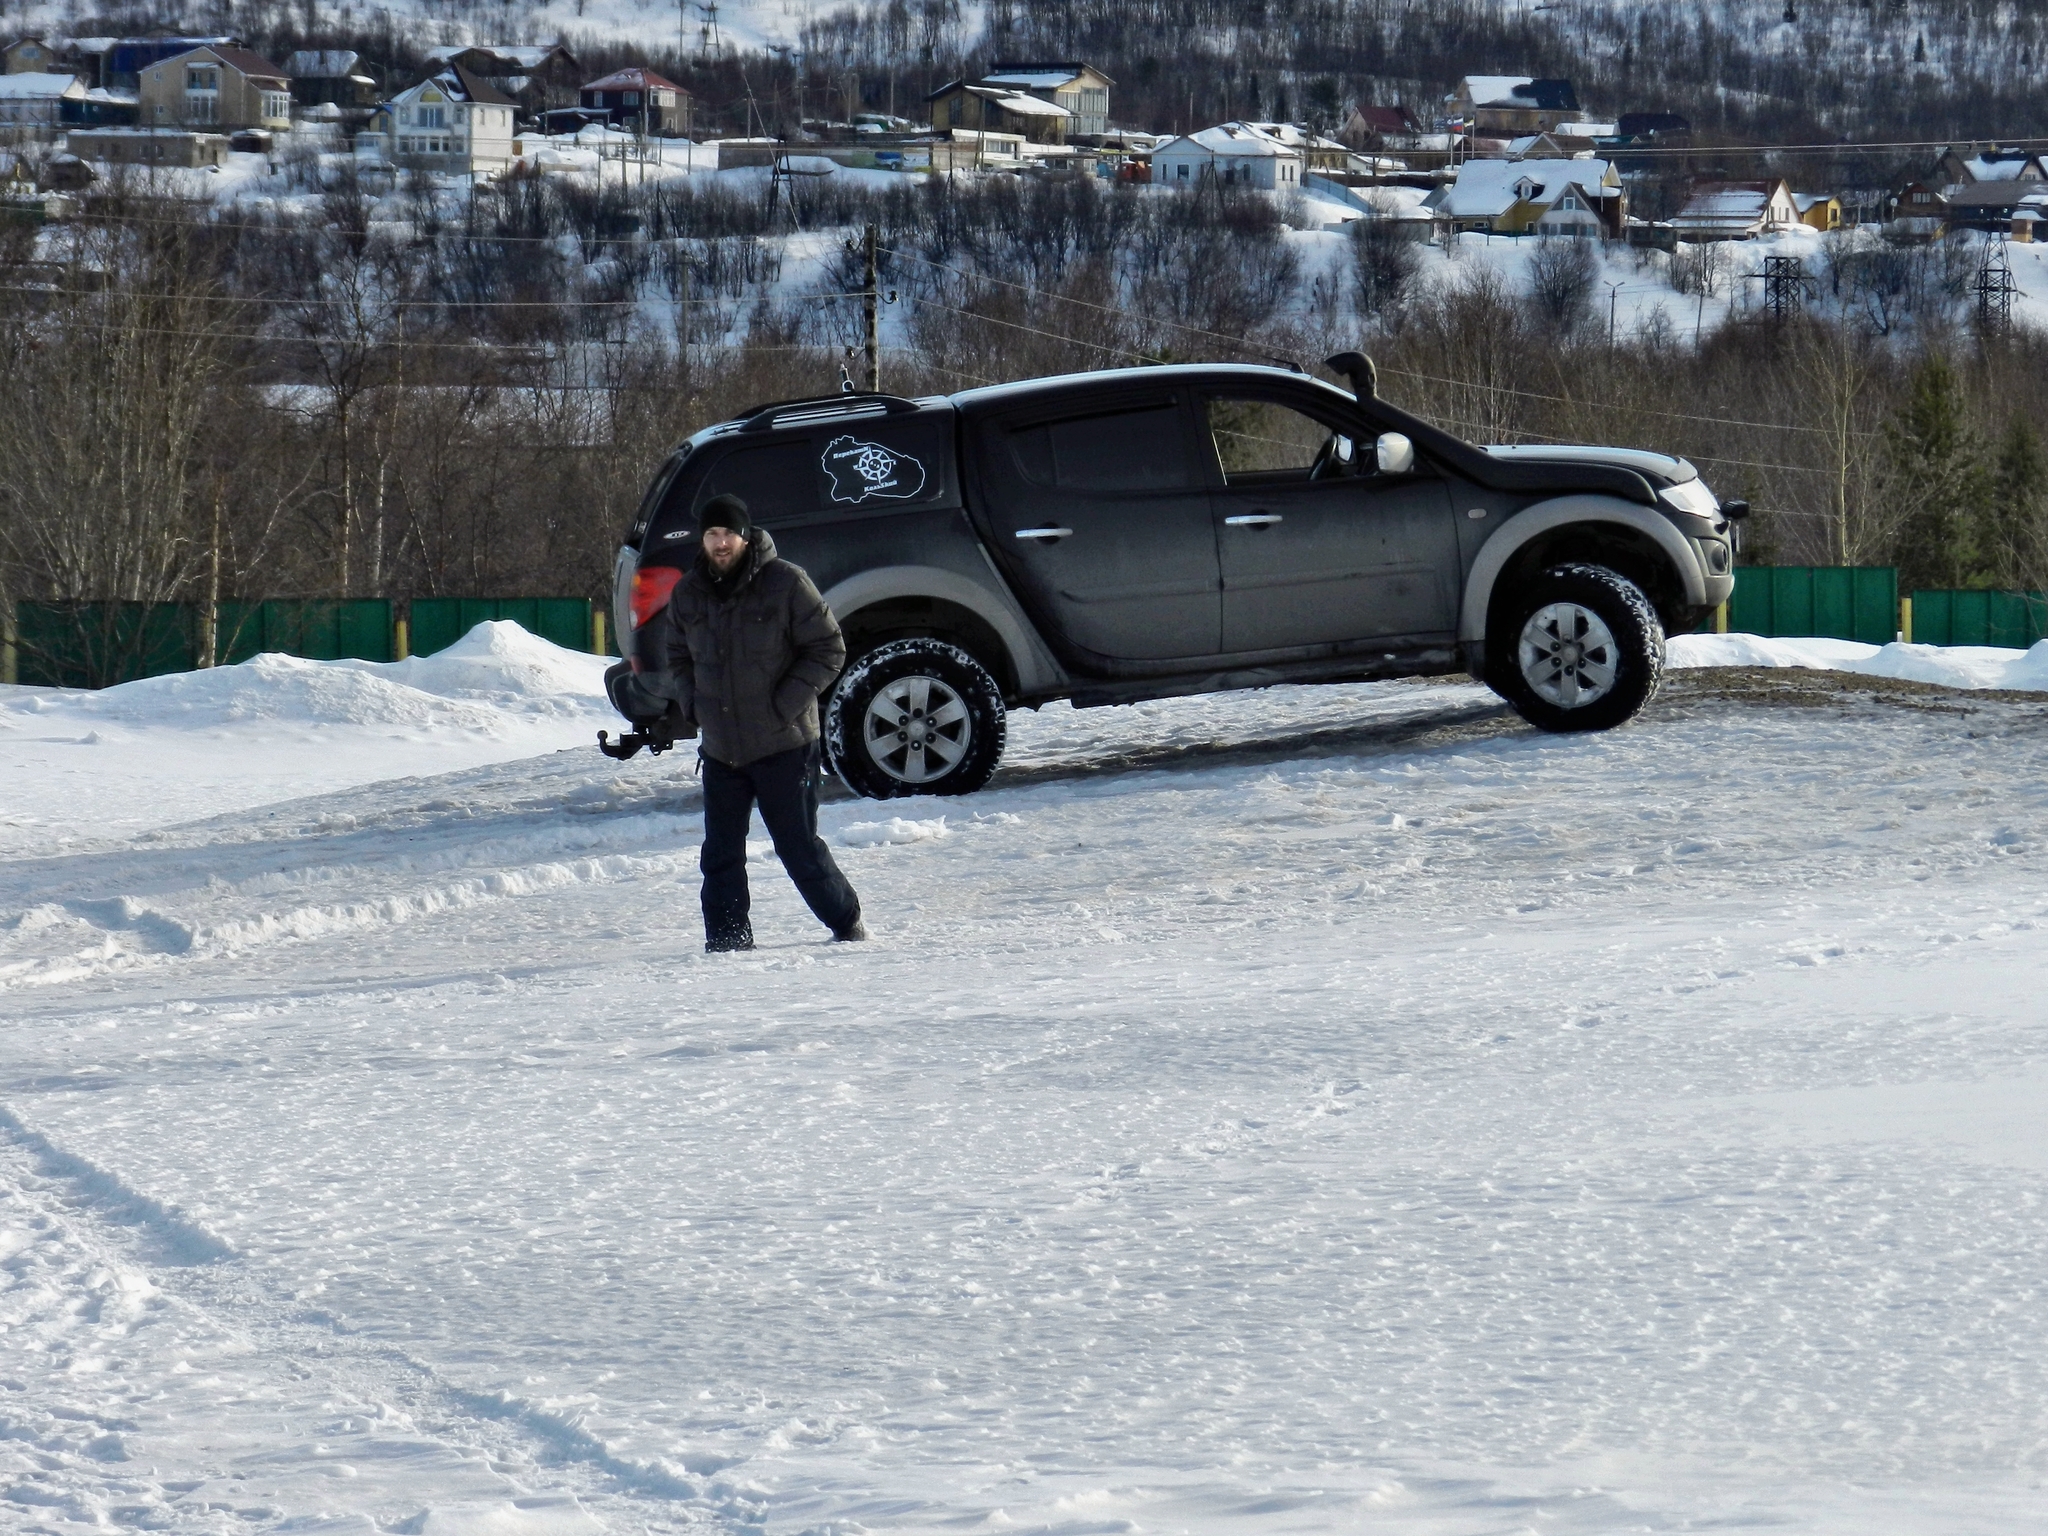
(915,717)
(1580,648)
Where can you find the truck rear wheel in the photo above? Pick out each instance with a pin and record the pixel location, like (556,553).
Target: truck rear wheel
(915,717)
(1580,648)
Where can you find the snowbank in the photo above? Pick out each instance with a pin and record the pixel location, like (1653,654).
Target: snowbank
(277,727)
(1951,666)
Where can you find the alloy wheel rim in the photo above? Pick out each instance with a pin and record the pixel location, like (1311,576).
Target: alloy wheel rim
(1568,655)
(916,729)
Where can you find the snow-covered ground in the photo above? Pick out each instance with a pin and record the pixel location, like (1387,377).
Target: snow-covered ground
(1317,1109)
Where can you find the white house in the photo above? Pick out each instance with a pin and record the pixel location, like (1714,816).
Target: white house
(36,97)
(1232,153)
(1539,197)
(1736,210)
(454,123)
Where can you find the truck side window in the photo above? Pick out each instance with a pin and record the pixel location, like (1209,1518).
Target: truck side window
(1266,442)
(1141,450)
(775,481)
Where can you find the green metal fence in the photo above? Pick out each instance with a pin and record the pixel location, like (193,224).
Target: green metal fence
(2014,619)
(318,631)
(88,645)
(92,645)
(438,622)
(1832,602)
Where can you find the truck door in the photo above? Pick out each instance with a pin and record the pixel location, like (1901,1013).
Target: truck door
(1316,546)
(1101,518)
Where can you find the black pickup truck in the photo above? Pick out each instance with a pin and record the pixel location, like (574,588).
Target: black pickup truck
(1140,533)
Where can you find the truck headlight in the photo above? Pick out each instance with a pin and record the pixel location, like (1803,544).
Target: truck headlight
(1690,496)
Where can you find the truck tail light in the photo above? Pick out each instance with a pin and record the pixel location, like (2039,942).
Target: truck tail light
(651,586)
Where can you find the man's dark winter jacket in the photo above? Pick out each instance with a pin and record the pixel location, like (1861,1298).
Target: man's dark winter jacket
(748,654)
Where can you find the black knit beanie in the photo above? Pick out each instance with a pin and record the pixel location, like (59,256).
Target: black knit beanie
(724,512)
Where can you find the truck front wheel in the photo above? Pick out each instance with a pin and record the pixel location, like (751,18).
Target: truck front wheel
(915,717)
(1580,648)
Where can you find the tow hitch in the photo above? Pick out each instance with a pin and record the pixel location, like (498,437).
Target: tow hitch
(630,742)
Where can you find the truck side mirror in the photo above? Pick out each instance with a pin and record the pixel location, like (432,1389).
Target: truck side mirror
(1396,453)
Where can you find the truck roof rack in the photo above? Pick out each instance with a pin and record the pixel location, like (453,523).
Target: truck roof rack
(853,403)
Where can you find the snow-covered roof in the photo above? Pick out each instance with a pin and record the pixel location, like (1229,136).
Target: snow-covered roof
(1998,167)
(1805,202)
(34,85)
(1237,140)
(633,79)
(457,84)
(1486,189)
(1730,205)
(1018,102)
(1519,91)
(1294,136)
(1494,90)
(1583,130)
(1568,145)
(1033,80)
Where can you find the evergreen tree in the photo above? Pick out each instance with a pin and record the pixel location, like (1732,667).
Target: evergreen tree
(2014,537)
(1937,461)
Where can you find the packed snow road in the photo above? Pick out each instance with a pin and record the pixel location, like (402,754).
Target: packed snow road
(1357,1113)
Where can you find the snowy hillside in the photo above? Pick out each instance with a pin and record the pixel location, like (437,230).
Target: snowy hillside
(1304,1110)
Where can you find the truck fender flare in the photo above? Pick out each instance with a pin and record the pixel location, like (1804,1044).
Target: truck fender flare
(1517,531)
(1028,660)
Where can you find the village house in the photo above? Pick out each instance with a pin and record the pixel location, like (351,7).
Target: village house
(1511,105)
(1575,197)
(332,77)
(1235,154)
(1818,210)
(155,148)
(27,56)
(637,99)
(40,100)
(216,87)
(453,123)
(1318,154)
(537,78)
(998,109)
(1368,128)
(1920,210)
(117,63)
(1082,89)
(1992,205)
(1962,168)
(1736,210)
(1557,145)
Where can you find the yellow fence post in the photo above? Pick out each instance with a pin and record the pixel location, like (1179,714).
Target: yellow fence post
(1906,620)
(596,631)
(10,664)
(1720,618)
(402,640)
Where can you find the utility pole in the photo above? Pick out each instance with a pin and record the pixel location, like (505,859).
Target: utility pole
(871,306)
(1785,284)
(1613,298)
(1995,289)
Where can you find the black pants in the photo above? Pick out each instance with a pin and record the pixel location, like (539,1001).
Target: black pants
(785,786)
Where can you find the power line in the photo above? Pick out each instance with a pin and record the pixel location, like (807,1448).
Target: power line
(1244,344)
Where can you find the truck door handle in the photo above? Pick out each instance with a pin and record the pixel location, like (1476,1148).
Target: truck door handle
(1252,520)
(1048,534)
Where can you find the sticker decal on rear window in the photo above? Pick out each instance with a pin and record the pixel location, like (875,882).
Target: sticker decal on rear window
(869,472)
